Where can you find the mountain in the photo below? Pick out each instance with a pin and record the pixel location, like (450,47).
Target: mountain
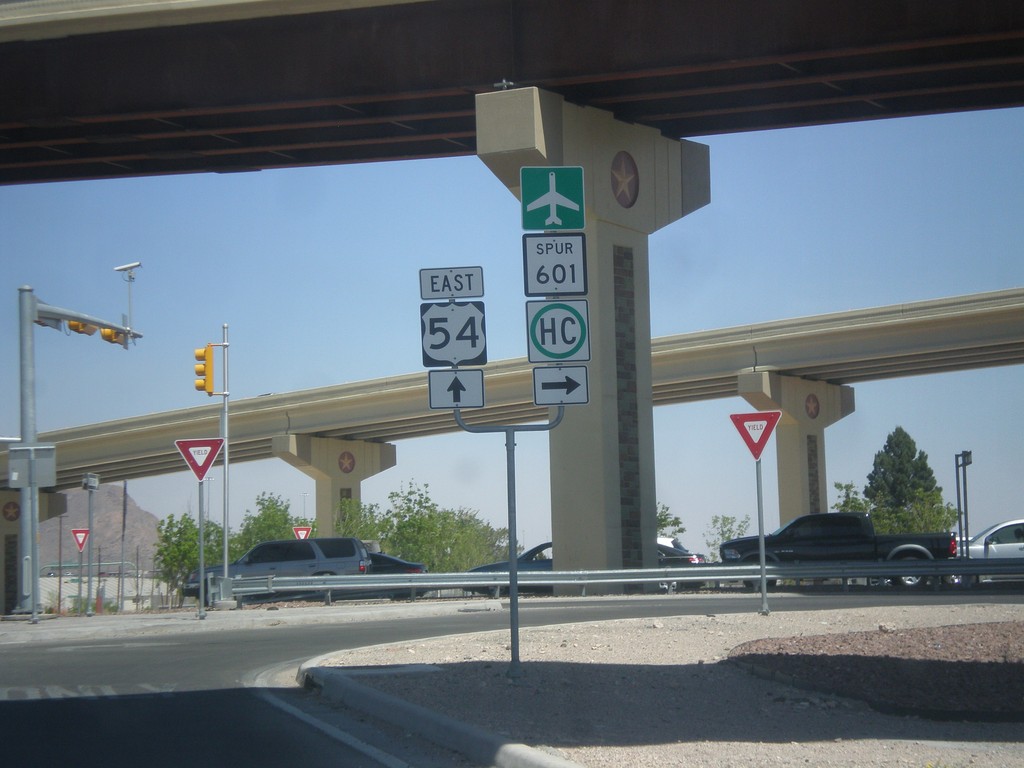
(140,529)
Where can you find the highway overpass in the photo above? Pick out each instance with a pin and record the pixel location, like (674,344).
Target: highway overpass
(918,338)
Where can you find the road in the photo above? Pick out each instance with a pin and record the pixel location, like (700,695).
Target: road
(181,699)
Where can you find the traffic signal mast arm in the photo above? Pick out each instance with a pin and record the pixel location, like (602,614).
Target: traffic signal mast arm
(114,333)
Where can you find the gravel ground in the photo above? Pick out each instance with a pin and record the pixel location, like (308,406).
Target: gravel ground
(693,691)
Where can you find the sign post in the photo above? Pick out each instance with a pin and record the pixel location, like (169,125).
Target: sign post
(756,429)
(81,535)
(200,454)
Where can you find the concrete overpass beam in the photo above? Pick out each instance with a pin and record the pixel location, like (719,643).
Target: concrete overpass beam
(636,181)
(337,466)
(808,407)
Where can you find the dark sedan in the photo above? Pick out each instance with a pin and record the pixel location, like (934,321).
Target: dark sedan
(382,563)
(539,558)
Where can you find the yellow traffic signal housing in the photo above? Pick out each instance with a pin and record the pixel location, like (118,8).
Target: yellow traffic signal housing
(204,369)
(113,336)
(80,327)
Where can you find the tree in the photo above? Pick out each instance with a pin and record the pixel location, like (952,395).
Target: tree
(415,527)
(925,513)
(272,520)
(177,549)
(851,500)
(723,528)
(902,492)
(899,472)
(669,525)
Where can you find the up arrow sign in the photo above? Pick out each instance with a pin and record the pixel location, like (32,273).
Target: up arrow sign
(756,429)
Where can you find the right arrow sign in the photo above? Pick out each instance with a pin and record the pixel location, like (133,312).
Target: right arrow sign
(756,429)
(560,385)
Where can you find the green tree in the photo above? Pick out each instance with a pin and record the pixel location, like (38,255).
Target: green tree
(415,527)
(272,520)
(902,492)
(850,499)
(899,472)
(723,528)
(925,513)
(177,549)
(363,521)
(668,524)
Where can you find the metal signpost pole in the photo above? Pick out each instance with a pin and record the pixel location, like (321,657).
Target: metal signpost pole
(202,564)
(760,542)
(515,669)
(224,435)
(91,482)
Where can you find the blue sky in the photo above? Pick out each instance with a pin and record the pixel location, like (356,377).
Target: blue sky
(316,273)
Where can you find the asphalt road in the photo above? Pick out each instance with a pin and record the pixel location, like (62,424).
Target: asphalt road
(180,699)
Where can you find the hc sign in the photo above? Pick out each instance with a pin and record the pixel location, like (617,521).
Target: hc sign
(557,331)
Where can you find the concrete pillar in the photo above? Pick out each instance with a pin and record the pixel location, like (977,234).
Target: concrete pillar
(338,466)
(807,408)
(635,182)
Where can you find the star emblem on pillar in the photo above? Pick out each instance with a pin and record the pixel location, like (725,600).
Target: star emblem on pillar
(625,179)
(346,462)
(812,407)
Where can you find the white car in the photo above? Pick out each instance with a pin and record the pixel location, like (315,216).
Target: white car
(998,541)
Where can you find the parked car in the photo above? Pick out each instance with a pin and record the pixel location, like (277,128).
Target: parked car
(294,557)
(539,558)
(998,541)
(383,563)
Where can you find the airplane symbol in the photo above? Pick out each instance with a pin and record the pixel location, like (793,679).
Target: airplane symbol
(552,199)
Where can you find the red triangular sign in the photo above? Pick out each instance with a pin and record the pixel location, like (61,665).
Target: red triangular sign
(756,428)
(81,536)
(200,454)
(302,531)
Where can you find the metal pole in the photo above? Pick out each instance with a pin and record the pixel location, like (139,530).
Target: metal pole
(960,511)
(26,316)
(967,458)
(224,434)
(514,669)
(202,564)
(760,542)
(88,595)
(124,521)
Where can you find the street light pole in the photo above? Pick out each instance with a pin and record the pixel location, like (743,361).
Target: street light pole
(962,461)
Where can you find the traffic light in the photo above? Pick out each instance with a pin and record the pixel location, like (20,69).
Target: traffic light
(204,369)
(79,327)
(113,336)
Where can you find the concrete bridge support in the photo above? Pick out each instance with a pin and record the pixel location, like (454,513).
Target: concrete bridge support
(808,407)
(338,466)
(636,181)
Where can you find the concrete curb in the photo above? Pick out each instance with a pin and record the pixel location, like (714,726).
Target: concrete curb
(475,743)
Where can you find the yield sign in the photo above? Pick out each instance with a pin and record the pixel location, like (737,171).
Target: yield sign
(81,536)
(301,531)
(756,428)
(200,454)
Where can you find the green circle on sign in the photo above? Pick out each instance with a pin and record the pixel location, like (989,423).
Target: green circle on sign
(580,341)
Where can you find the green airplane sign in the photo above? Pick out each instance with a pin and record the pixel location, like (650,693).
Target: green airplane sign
(552,197)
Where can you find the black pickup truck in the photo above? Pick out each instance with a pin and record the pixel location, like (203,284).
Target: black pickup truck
(838,537)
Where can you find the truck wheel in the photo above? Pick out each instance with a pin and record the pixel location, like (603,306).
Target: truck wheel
(909,582)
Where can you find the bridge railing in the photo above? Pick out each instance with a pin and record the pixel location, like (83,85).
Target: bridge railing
(962,570)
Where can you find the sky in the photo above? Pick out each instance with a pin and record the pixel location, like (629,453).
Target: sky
(316,273)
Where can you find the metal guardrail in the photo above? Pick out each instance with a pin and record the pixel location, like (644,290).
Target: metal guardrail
(486,581)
